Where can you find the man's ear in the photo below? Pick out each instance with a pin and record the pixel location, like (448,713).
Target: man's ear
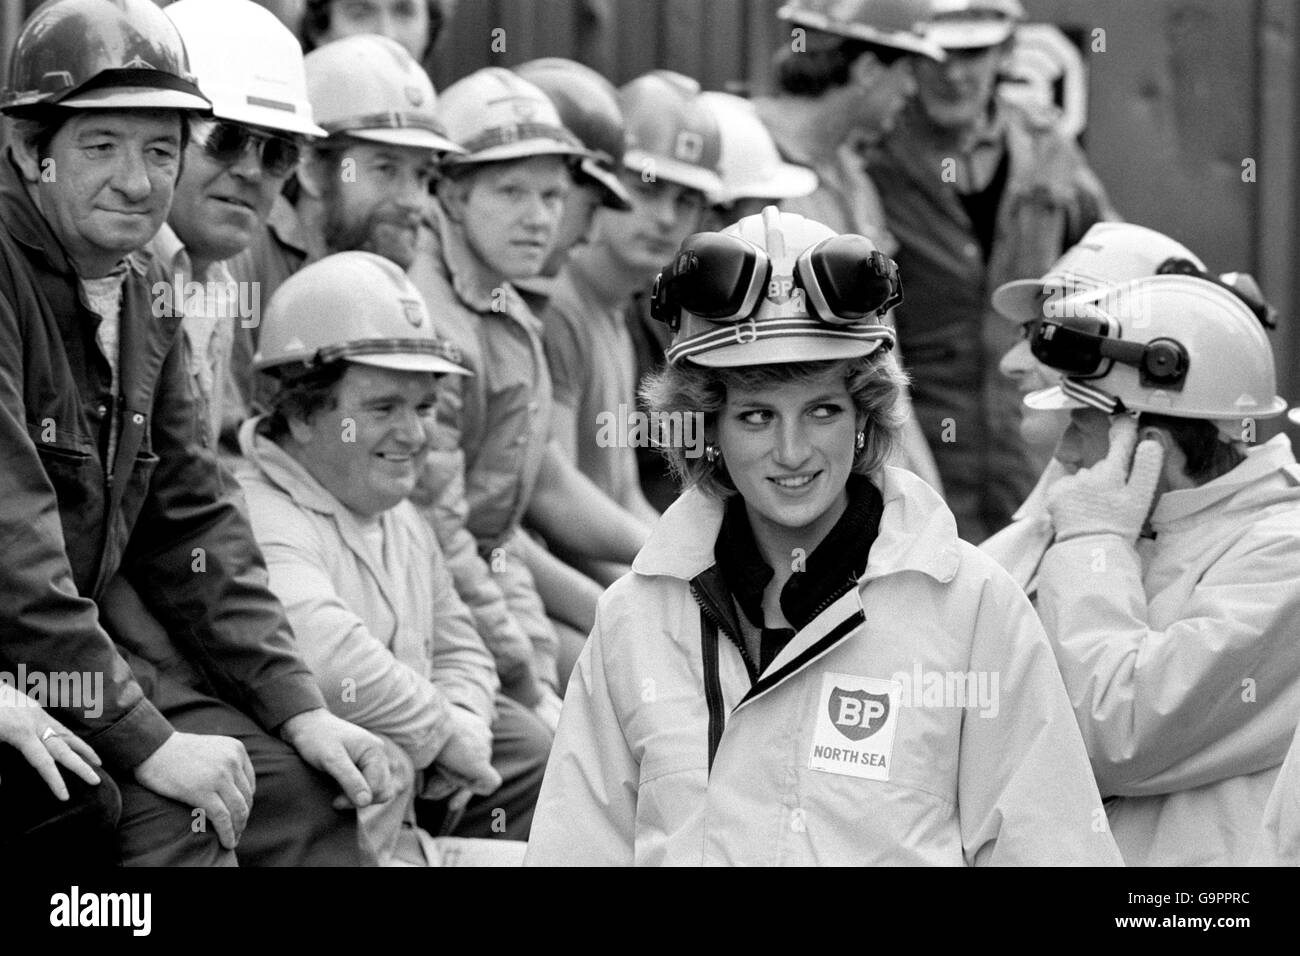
(453,193)
(29,164)
(312,171)
(300,431)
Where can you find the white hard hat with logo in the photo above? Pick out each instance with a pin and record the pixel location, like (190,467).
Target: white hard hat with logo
(1108,254)
(775,288)
(247,62)
(750,164)
(496,115)
(973,24)
(1168,344)
(356,307)
(368,87)
(671,135)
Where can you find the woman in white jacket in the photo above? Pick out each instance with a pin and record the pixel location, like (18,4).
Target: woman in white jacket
(806,665)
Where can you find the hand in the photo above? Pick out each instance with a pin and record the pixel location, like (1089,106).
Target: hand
(466,758)
(26,725)
(1109,498)
(352,755)
(207,771)
(547,710)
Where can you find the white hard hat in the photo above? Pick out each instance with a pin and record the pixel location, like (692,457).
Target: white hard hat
(1167,344)
(496,115)
(670,133)
(356,307)
(1109,253)
(368,87)
(898,24)
(775,288)
(247,62)
(750,165)
(972,24)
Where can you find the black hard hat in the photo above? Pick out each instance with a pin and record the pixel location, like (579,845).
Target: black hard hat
(100,54)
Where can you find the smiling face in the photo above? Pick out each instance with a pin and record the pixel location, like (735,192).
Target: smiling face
(662,215)
(375,197)
(367,448)
(107,182)
(956,94)
(510,212)
(219,206)
(789,451)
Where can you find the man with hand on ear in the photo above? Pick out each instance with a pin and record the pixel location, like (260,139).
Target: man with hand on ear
(1169,589)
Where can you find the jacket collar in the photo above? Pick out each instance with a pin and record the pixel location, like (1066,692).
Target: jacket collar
(1261,462)
(272,464)
(917,533)
(470,280)
(285,224)
(281,469)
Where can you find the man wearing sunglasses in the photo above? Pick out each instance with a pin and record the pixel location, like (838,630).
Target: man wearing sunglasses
(251,67)
(1169,587)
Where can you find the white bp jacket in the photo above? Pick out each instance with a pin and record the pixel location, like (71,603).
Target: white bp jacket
(1182,659)
(853,746)
(1279,838)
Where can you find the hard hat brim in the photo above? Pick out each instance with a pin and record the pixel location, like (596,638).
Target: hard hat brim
(896,39)
(1020,300)
(782,351)
(1051,399)
(135,98)
(410,362)
(787,182)
(1294,415)
(674,171)
(1054,399)
(969,34)
(520,149)
(614,193)
(409,136)
(270,119)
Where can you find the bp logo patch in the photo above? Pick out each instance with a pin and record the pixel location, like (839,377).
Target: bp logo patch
(857,714)
(854,725)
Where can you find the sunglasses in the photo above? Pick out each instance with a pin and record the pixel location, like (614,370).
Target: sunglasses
(227,143)
(1087,346)
(724,278)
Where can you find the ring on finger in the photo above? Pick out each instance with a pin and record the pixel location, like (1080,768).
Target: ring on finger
(47,733)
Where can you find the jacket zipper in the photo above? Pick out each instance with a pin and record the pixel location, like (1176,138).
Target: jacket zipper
(722,627)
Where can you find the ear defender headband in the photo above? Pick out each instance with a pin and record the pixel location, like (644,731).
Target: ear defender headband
(724,279)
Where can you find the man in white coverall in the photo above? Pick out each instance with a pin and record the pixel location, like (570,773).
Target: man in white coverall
(1169,590)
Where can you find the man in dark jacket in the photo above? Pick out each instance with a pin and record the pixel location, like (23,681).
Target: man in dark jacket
(104,472)
(977,192)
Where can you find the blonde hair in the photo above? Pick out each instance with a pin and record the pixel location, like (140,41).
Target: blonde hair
(875,384)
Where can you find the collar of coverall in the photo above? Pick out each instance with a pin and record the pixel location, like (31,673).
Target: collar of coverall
(917,533)
(1261,461)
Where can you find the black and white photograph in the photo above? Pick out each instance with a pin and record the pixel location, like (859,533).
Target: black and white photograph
(580,434)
